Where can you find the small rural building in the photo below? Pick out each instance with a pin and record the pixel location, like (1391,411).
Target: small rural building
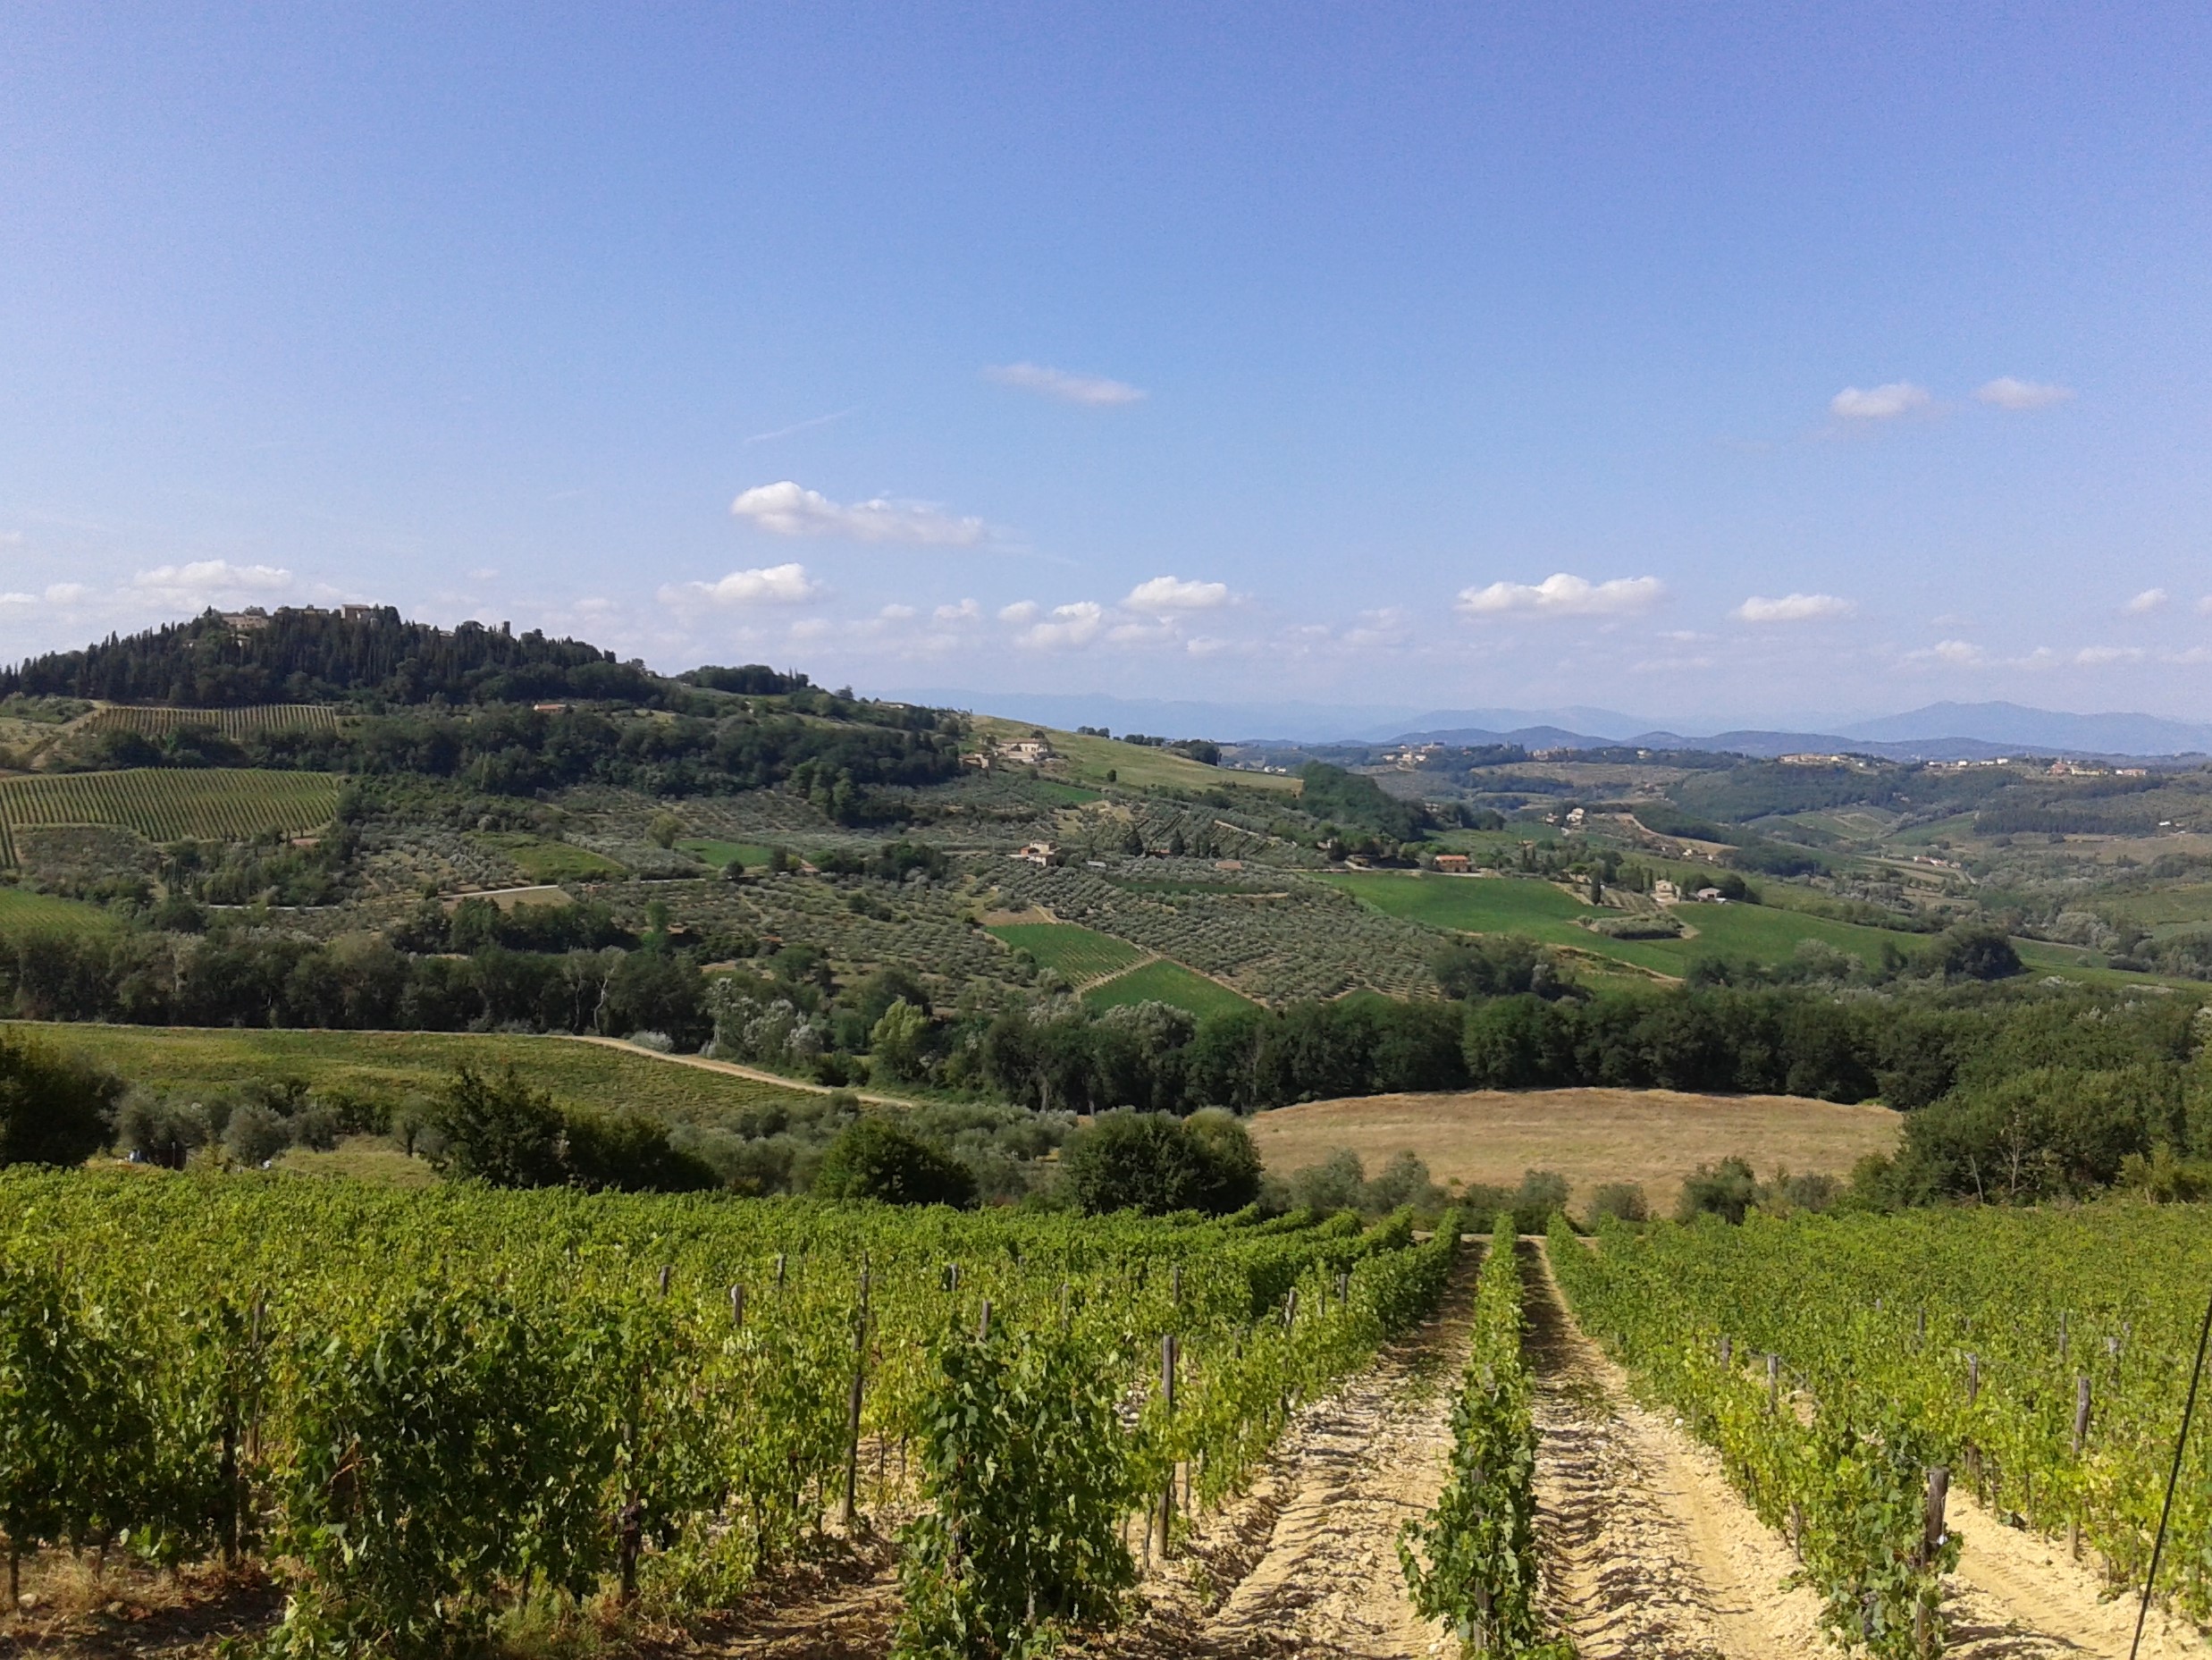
(1026,752)
(1037,853)
(1452,864)
(1665,892)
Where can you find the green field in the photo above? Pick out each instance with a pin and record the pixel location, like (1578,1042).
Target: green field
(1163,981)
(1088,761)
(750,855)
(387,1067)
(22,913)
(1077,955)
(164,803)
(544,861)
(1524,905)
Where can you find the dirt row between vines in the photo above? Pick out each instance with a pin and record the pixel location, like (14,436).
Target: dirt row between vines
(1649,1554)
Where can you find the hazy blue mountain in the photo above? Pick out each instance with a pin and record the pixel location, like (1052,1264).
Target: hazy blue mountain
(2020,727)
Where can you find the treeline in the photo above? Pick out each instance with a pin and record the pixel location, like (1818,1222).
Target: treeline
(317,656)
(519,751)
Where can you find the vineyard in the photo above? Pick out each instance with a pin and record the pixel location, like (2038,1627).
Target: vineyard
(1856,1375)
(1078,954)
(434,1414)
(169,804)
(242,722)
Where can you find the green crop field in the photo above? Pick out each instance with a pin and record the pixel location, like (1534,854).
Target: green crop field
(1524,905)
(1163,981)
(1077,953)
(751,855)
(168,804)
(387,1067)
(233,723)
(544,861)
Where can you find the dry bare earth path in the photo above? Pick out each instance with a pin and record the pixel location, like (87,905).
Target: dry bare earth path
(1649,1554)
(1306,1562)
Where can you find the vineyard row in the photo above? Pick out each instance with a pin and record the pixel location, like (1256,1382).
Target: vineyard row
(426,1410)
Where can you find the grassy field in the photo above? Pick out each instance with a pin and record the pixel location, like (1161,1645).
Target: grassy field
(544,861)
(1525,905)
(22,913)
(168,804)
(1086,760)
(750,855)
(1077,953)
(1161,981)
(387,1067)
(1655,1137)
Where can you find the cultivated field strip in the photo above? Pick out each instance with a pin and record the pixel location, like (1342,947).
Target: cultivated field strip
(149,721)
(169,804)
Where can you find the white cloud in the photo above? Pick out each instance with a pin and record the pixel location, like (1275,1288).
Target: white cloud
(212,575)
(1173,593)
(484,573)
(10,538)
(1020,611)
(770,585)
(1957,653)
(1093,390)
(1793,608)
(65,593)
(2147,601)
(2007,393)
(1879,403)
(785,508)
(1069,627)
(897,614)
(2096,656)
(967,611)
(19,599)
(1564,596)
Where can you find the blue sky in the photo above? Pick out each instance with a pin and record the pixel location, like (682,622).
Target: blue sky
(1737,363)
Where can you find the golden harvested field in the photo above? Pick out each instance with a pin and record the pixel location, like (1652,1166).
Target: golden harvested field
(1653,1136)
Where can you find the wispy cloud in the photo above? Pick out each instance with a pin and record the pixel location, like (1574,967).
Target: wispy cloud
(212,575)
(2005,393)
(770,585)
(1174,593)
(785,508)
(1879,403)
(1954,654)
(1793,608)
(1564,596)
(802,426)
(1093,389)
(2147,601)
(2096,656)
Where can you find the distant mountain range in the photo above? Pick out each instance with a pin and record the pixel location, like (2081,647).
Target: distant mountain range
(1946,731)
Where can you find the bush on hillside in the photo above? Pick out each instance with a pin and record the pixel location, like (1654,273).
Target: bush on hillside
(54,1109)
(1158,1164)
(879,1159)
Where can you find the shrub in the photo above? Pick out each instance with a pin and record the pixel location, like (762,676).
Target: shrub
(256,1134)
(1158,1164)
(1622,1200)
(499,1130)
(881,1159)
(1726,1190)
(54,1109)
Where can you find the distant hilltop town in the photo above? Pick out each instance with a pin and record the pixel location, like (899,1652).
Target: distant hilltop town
(254,619)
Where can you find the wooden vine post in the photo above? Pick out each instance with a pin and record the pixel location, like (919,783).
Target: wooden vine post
(850,1509)
(2081,1439)
(1168,1355)
(1930,1542)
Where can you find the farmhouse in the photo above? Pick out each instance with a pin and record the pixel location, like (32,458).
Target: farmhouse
(1452,864)
(1037,853)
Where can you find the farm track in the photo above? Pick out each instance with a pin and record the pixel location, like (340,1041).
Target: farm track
(1649,1554)
(707,1064)
(1307,1561)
